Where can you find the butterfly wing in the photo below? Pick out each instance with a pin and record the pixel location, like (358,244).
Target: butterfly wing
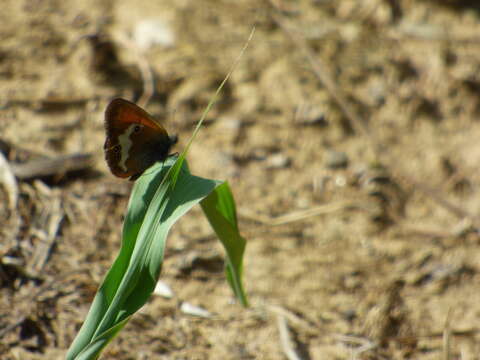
(135,140)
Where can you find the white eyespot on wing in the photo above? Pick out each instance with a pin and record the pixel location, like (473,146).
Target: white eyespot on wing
(125,145)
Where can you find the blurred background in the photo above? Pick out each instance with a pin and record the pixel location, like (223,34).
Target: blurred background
(348,133)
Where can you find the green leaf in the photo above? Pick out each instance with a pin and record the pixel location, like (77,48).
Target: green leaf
(219,207)
(159,198)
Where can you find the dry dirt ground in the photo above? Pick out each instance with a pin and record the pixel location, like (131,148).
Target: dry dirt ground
(350,136)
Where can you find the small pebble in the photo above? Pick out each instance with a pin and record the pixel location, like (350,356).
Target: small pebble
(336,159)
(152,32)
(163,290)
(230,123)
(278,161)
(308,115)
(193,310)
(350,315)
(314,120)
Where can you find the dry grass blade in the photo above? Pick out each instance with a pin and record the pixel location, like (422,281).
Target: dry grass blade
(43,251)
(7,178)
(355,122)
(301,214)
(286,341)
(364,344)
(293,318)
(446,338)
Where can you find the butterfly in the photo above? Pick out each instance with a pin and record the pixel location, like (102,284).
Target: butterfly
(135,140)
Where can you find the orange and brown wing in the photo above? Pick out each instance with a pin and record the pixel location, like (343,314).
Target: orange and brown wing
(120,114)
(127,151)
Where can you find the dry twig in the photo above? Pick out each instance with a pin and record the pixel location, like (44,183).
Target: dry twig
(59,166)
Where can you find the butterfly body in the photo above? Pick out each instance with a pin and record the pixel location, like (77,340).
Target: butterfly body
(135,140)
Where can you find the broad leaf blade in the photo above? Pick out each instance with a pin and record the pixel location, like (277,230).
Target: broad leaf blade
(219,207)
(155,205)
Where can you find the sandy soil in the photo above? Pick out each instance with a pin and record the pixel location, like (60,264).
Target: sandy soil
(349,134)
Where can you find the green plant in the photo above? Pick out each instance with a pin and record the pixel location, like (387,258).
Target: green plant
(164,193)
(159,198)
